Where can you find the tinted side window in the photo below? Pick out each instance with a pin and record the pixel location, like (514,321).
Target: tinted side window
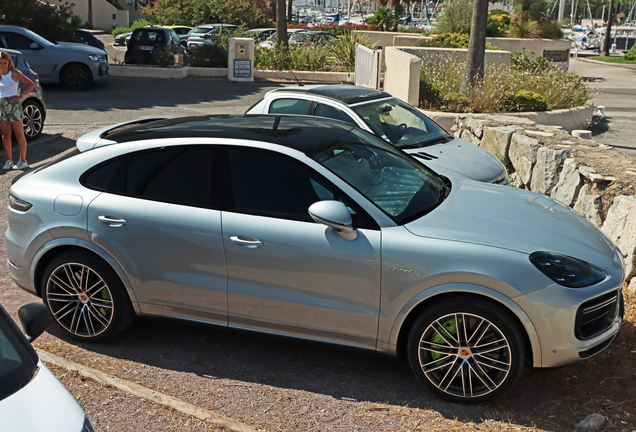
(289,106)
(15,41)
(274,185)
(323,110)
(178,175)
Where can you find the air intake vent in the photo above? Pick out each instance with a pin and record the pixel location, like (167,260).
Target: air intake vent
(596,316)
(425,156)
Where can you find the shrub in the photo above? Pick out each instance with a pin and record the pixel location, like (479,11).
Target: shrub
(498,23)
(454,102)
(136,24)
(252,13)
(524,29)
(523,61)
(54,22)
(552,29)
(525,100)
(631,54)
(342,52)
(456,18)
(293,57)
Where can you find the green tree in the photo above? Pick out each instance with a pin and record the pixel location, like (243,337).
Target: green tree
(249,13)
(474,72)
(54,22)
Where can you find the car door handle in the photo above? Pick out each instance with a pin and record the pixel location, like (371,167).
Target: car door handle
(247,242)
(112,221)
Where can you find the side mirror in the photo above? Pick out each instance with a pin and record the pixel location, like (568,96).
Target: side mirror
(34,46)
(334,214)
(34,319)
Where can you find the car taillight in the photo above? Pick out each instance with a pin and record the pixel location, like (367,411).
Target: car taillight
(128,45)
(36,76)
(164,47)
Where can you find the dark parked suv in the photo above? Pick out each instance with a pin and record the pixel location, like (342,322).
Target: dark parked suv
(154,45)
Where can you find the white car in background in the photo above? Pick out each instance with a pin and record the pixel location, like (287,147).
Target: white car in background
(31,397)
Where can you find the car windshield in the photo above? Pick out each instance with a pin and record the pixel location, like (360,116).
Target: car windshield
(39,39)
(400,124)
(399,185)
(18,362)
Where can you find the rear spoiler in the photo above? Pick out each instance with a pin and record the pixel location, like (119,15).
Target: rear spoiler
(96,138)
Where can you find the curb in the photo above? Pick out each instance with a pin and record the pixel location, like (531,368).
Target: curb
(146,393)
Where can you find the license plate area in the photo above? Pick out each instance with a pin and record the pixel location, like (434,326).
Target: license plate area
(145,48)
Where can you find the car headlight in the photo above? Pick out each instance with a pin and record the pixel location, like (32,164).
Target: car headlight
(17,204)
(87,426)
(567,271)
(96,57)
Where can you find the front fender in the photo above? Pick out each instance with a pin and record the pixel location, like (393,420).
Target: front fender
(456,289)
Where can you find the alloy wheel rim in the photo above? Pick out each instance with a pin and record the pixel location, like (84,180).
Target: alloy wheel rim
(33,121)
(76,78)
(465,355)
(79,300)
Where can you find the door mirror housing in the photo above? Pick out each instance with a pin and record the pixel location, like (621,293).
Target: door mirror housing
(34,319)
(334,214)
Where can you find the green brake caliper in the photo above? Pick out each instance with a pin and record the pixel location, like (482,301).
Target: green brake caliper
(449,330)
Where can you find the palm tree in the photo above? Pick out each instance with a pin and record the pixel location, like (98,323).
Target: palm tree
(474,72)
(382,19)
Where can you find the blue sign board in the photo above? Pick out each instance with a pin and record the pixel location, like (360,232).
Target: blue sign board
(242,68)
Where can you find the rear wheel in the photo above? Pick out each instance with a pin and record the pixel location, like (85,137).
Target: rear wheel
(33,120)
(86,297)
(466,350)
(76,77)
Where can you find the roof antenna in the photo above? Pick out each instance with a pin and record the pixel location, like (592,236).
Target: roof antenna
(297,80)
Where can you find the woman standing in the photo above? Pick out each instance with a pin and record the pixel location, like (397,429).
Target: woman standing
(11,113)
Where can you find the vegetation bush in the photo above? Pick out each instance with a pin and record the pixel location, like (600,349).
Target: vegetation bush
(382,19)
(342,52)
(524,61)
(442,77)
(523,101)
(455,40)
(250,13)
(54,22)
(137,24)
(631,54)
(498,23)
(456,18)
(293,57)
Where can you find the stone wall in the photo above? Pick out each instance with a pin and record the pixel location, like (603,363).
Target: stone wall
(596,180)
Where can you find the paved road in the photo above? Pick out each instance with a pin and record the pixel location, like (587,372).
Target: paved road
(616,90)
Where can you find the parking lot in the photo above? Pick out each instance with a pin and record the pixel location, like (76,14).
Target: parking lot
(262,381)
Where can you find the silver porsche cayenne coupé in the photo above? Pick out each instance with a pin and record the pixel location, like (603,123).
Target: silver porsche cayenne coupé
(313,228)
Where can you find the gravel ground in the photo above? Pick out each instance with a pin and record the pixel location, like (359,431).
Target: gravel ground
(278,384)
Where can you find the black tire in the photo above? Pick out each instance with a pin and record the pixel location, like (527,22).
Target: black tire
(33,119)
(86,297)
(466,350)
(76,77)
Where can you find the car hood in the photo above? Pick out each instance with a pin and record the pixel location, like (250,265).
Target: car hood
(43,405)
(460,158)
(76,48)
(514,219)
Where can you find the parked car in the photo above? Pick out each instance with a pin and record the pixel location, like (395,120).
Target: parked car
(156,46)
(389,118)
(182,32)
(122,39)
(31,397)
(206,34)
(84,37)
(312,38)
(33,105)
(74,65)
(271,40)
(261,34)
(313,228)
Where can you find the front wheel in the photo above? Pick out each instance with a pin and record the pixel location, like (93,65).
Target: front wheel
(76,77)
(86,297)
(466,350)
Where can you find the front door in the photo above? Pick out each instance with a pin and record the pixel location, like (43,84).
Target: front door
(286,273)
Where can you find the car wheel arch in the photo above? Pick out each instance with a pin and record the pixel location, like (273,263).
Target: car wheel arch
(40,107)
(413,309)
(48,253)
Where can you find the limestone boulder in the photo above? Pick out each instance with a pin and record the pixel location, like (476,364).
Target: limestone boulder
(570,183)
(523,155)
(546,172)
(496,140)
(620,226)
(466,135)
(589,206)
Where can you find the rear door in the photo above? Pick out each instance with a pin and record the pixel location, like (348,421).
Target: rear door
(159,218)
(38,58)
